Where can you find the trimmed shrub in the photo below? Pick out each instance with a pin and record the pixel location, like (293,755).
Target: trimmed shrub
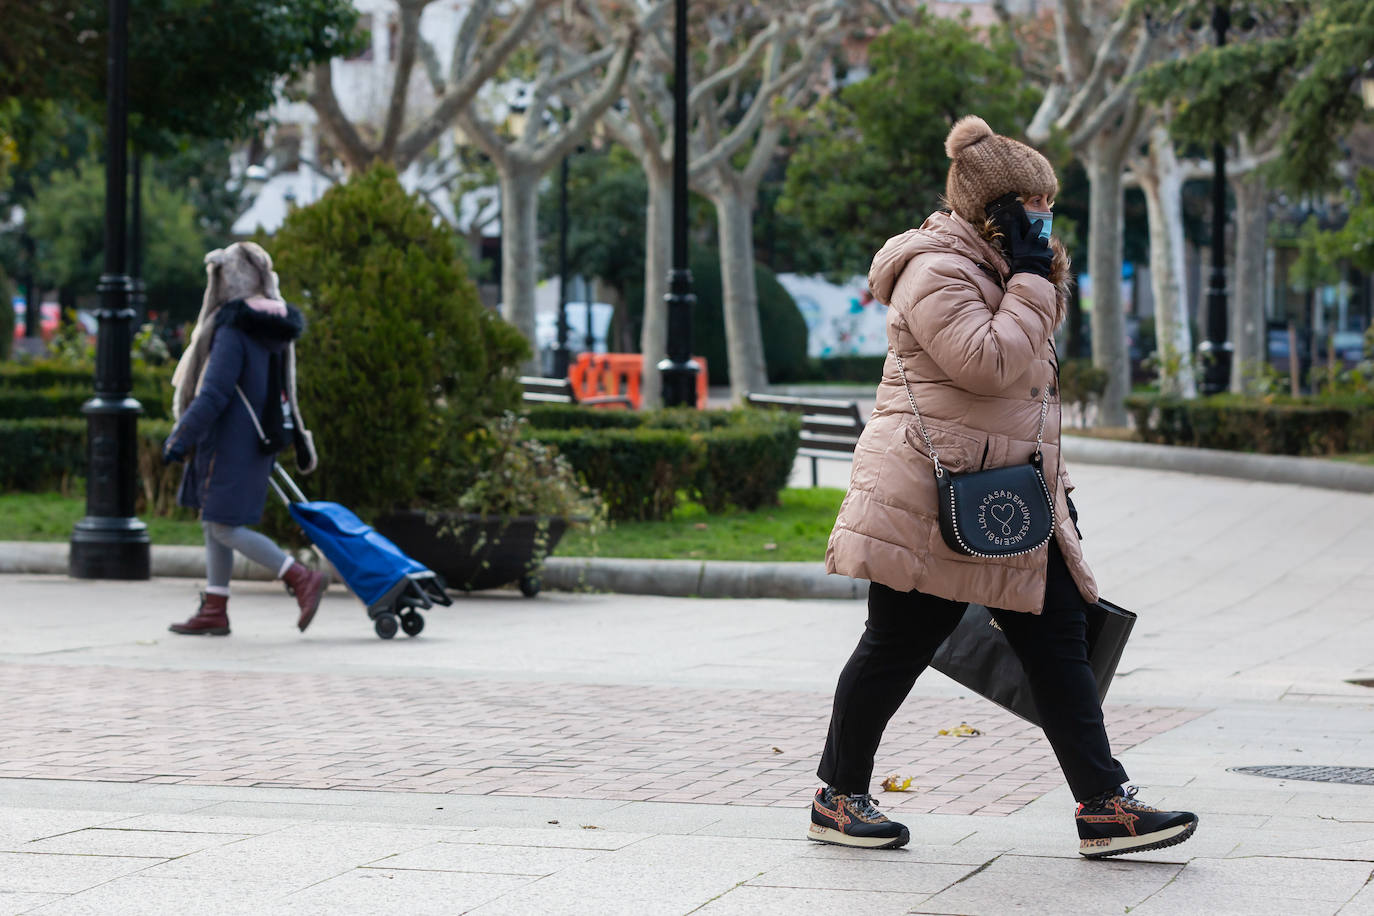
(638,472)
(1277,427)
(46,454)
(400,364)
(641,462)
(748,462)
(66,402)
(45,374)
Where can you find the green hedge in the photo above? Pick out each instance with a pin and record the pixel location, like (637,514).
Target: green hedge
(643,462)
(29,404)
(1274,427)
(46,375)
(45,454)
(865,369)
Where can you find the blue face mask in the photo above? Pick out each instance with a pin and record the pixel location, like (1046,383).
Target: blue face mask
(1046,220)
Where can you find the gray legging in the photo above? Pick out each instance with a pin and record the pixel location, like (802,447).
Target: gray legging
(222,540)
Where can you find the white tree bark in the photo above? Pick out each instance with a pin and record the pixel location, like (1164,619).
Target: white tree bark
(739,291)
(658,239)
(1161,176)
(1094,104)
(1104,166)
(1247,288)
(777,47)
(523,160)
(519,247)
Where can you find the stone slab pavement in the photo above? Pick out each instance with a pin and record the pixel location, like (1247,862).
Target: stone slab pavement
(600,754)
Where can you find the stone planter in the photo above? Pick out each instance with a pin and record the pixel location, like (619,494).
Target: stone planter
(474,552)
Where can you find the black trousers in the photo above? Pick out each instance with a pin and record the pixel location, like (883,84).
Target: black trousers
(903,632)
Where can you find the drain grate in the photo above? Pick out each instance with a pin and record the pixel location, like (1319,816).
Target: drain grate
(1355,776)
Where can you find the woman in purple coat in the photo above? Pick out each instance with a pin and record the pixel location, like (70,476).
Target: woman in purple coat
(234,391)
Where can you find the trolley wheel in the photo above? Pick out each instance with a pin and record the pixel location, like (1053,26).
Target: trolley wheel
(530,585)
(412,623)
(385,625)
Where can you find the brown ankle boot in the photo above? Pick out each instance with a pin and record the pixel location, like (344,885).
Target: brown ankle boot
(212,619)
(308,587)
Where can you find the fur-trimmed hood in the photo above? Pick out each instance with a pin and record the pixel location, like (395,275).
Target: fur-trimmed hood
(945,230)
(269,320)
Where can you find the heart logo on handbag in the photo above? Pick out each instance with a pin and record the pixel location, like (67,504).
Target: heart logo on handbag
(999,511)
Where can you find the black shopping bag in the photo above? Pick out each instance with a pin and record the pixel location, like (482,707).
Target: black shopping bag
(978,656)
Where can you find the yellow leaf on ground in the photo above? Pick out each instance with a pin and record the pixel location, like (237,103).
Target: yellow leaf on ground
(895,783)
(962,730)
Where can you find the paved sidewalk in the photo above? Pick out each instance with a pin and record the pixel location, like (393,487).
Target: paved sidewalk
(605,754)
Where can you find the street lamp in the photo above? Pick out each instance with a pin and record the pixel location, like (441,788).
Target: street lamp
(138,290)
(678,371)
(110,543)
(1216,350)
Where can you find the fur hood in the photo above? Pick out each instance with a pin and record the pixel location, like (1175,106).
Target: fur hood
(947,231)
(269,320)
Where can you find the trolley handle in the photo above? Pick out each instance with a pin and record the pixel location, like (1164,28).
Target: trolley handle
(279,473)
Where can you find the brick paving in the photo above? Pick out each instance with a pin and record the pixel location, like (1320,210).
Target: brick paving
(382,733)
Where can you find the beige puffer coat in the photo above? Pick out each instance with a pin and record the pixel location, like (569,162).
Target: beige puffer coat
(976,343)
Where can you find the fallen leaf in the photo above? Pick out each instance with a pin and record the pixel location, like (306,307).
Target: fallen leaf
(777,750)
(553,822)
(590,827)
(895,783)
(962,730)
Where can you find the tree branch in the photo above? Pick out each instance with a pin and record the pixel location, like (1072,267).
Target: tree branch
(462,92)
(591,109)
(466,38)
(405,65)
(326,104)
(1106,56)
(1123,93)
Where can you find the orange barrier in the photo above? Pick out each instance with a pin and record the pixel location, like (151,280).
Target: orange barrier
(596,375)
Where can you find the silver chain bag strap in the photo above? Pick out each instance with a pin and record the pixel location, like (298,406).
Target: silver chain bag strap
(1000,512)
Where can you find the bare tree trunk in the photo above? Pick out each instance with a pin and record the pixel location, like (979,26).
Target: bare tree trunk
(1104,168)
(1247,300)
(658,237)
(520,251)
(739,293)
(1161,178)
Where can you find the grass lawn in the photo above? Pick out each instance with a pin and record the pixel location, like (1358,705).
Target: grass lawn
(50,517)
(795,530)
(1356,457)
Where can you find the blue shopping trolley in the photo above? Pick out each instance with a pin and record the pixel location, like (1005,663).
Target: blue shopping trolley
(392,586)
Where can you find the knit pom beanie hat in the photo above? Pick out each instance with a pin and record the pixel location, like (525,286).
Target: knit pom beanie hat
(986,166)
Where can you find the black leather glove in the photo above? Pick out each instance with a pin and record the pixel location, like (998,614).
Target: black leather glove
(1021,241)
(172,453)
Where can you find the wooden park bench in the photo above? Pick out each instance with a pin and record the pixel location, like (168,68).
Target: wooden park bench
(830,429)
(560,391)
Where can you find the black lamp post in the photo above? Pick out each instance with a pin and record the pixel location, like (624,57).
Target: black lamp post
(1216,350)
(138,291)
(33,298)
(110,543)
(561,356)
(678,372)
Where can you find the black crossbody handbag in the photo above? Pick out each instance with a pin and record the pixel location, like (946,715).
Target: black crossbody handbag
(999,512)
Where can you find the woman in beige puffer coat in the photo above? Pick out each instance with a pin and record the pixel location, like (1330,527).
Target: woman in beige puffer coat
(974,296)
